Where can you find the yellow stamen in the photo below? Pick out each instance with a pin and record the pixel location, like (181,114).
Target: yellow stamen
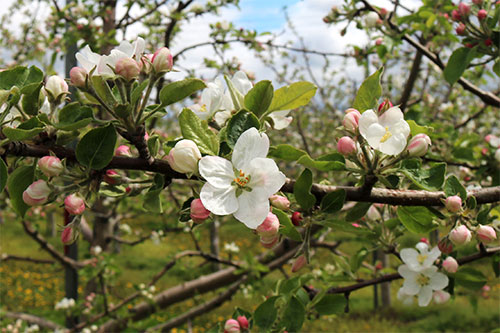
(421,258)
(386,136)
(203,108)
(423,280)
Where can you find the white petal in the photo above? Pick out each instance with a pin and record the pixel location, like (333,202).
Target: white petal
(252,209)
(406,272)
(126,48)
(424,296)
(391,117)
(251,144)
(241,82)
(102,66)
(432,256)
(422,247)
(374,134)
(280,119)
(409,257)
(394,145)
(429,271)
(217,171)
(410,286)
(139,46)
(438,281)
(220,201)
(367,119)
(400,127)
(266,178)
(221,117)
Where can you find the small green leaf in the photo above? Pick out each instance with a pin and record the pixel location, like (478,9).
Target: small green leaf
(137,91)
(286,226)
(358,211)
(458,63)
(293,96)
(294,315)
(302,190)
(3,174)
(331,304)
(416,219)
(103,90)
(97,147)
(286,152)
(357,259)
(193,128)
(417,129)
(238,124)
(496,68)
(470,278)
(18,182)
(452,186)
(13,77)
(152,200)
(31,99)
(259,98)
(428,179)
(74,116)
(369,92)
(495,264)
(328,162)
(333,201)
(26,130)
(178,90)
(265,315)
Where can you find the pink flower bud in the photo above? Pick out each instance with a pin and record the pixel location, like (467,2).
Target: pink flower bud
(445,246)
(198,212)
(37,193)
(383,11)
(269,227)
(147,63)
(453,203)
(460,30)
(296,218)
(162,60)
(56,86)
(74,204)
(123,151)
(269,241)
(299,263)
(67,235)
(50,166)
(78,77)
(455,15)
(384,106)
(243,322)
(346,146)
(184,157)
(463,9)
(424,240)
(351,120)
(231,326)
(379,41)
(440,296)
(111,177)
(356,225)
(450,265)
(488,42)
(419,145)
(486,234)
(460,235)
(128,68)
(482,14)
(280,202)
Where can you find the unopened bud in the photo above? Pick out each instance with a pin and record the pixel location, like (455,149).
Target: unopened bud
(450,265)
(37,193)
(351,120)
(486,234)
(123,151)
(371,19)
(162,60)
(280,202)
(419,145)
(440,296)
(74,204)
(383,11)
(231,326)
(477,2)
(384,106)
(67,235)
(269,227)
(56,87)
(198,211)
(455,15)
(243,321)
(296,218)
(460,235)
(111,177)
(488,42)
(463,9)
(128,68)
(51,166)
(453,204)
(482,14)
(299,263)
(78,77)
(270,241)
(379,41)
(346,146)
(460,30)
(445,246)
(184,157)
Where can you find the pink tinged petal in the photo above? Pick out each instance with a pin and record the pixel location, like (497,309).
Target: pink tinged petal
(220,201)
(251,144)
(217,171)
(368,118)
(280,119)
(438,281)
(252,209)
(425,296)
(409,257)
(374,135)
(391,117)
(394,145)
(266,179)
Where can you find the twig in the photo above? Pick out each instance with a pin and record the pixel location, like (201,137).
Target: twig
(104,293)
(33,319)
(472,117)
(129,242)
(7,257)
(410,83)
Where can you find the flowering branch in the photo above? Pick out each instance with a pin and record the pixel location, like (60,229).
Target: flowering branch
(33,319)
(7,257)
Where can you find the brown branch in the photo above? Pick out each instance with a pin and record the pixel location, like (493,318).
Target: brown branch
(42,322)
(129,242)
(7,257)
(410,83)
(472,117)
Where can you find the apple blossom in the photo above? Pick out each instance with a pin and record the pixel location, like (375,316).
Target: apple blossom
(128,68)
(78,77)
(123,151)
(111,177)
(453,203)
(386,133)
(373,214)
(232,326)
(67,235)
(422,283)
(423,259)
(418,145)
(450,265)
(440,296)
(37,193)
(184,157)
(493,140)
(280,119)
(280,202)
(65,303)
(463,9)
(486,234)
(269,227)
(198,212)
(300,262)
(455,15)
(162,60)
(351,120)
(461,29)
(212,100)
(371,19)
(243,322)
(51,166)
(56,87)
(482,14)
(242,187)
(269,241)
(74,204)
(346,146)
(460,235)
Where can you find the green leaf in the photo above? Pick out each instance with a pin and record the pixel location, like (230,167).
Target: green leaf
(293,96)
(74,116)
(470,278)
(266,313)
(333,201)
(286,152)
(18,182)
(178,90)
(417,129)
(331,304)
(294,315)
(30,102)
(416,219)
(259,97)
(193,128)
(35,75)
(26,130)
(328,162)
(103,90)
(369,92)
(3,174)
(458,63)
(286,226)
(137,91)
(302,190)
(428,179)
(152,200)
(452,186)
(357,259)
(358,211)
(496,68)
(238,124)
(96,149)
(13,77)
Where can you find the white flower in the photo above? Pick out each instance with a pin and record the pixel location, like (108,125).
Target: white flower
(242,187)
(97,250)
(371,19)
(422,259)
(422,283)
(125,228)
(280,119)
(231,247)
(211,101)
(386,133)
(65,303)
(405,298)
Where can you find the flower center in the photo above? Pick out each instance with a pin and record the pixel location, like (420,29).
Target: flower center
(423,280)
(203,108)
(241,181)
(386,136)
(421,258)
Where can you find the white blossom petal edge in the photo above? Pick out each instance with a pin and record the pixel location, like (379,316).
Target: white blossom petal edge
(422,259)
(422,283)
(243,186)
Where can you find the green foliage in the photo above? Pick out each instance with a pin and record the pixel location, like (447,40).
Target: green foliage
(3,174)
(416,219)
(369,92)
(265,315)
(452,186)
(417,129)
(470,278)
(193,128)
(286,152)
(178,90)
(333,201)
(259,98)
(103,90)
(428,179)
(458,63)
(18,181)
(97,147)
(152,200)
(328,162)
(293,317)
(73,116)
(331,304)
(358,211)
(286,226)
(302,190)
(27,130)
(293,96)
(238,124)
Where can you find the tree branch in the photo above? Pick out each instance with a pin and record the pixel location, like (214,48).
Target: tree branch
(42,322)
(7,257)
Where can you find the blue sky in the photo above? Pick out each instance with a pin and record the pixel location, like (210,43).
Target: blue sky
(263,15)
